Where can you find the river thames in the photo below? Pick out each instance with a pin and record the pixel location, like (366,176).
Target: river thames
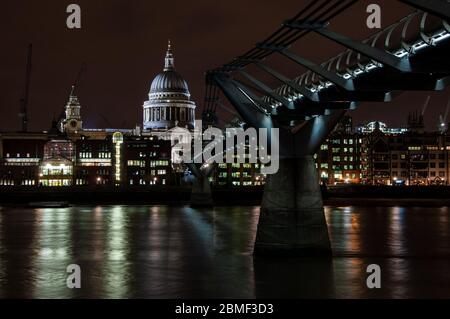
(180,252)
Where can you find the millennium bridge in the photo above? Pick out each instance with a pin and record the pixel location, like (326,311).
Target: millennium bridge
(306,108)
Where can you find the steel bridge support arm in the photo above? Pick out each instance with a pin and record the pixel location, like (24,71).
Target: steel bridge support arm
(313,97)
(266,90)
(330,76)
(243,102)
(440,8)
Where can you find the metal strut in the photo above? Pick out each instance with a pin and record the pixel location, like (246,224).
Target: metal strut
(440,8)
(376,54)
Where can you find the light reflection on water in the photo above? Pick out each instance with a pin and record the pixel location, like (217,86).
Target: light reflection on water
(167,252)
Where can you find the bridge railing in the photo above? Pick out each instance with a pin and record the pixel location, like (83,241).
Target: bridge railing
(347,65)
(348,68)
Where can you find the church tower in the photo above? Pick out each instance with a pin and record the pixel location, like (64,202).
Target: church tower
(72,121)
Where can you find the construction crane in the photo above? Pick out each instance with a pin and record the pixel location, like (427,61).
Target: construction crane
(107,122)
(425,107)
(23,114)
(443,119)
(80,73)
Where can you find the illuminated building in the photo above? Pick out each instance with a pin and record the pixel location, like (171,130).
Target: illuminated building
(169,103)
(20,157)
(118,162)
(94,161)
(372,126)
(148,162)
(379,155)
(338,160)
(56,168)
(233,175)
(412,158)
(71,122)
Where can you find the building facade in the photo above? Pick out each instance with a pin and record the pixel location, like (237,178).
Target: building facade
(375,154)
(339,158)
(410,158)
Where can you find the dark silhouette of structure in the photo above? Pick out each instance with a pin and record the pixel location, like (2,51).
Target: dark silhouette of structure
(307,108)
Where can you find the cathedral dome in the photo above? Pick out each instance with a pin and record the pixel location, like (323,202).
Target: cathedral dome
(169,81)
(169,102)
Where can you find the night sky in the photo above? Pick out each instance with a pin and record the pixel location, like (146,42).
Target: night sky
(123,44)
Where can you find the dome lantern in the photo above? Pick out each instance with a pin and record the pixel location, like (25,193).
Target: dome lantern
(169,65)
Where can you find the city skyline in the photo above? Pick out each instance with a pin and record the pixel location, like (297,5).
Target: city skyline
(190,152)
(136,52)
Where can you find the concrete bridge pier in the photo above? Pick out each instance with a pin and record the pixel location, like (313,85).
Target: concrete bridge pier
(201,195)
(292,220)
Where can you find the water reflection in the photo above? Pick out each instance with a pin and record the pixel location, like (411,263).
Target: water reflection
(53,249)
(167,252)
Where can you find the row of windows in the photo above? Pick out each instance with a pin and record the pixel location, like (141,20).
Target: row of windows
(20,164)
(55,182)
(344,150)
(85,155)
(67,170)
(341,176)
(151,154)
(89,155)
(239,183)
(424,175)
(137,163)
(245,183)
(28,182)
(143,182)
(343,158)
(421,165)
(152,172)
(159,163)
(432,165)
(338,167)
(8,155)
(80,181)
(344,141)
(414,156)
(247,166)
(143,145)
(6,182)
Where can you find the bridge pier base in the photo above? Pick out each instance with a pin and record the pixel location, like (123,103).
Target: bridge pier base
(201,192)
(292,220)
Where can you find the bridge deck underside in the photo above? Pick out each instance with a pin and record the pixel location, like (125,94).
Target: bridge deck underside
(377,85)
(305,111)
